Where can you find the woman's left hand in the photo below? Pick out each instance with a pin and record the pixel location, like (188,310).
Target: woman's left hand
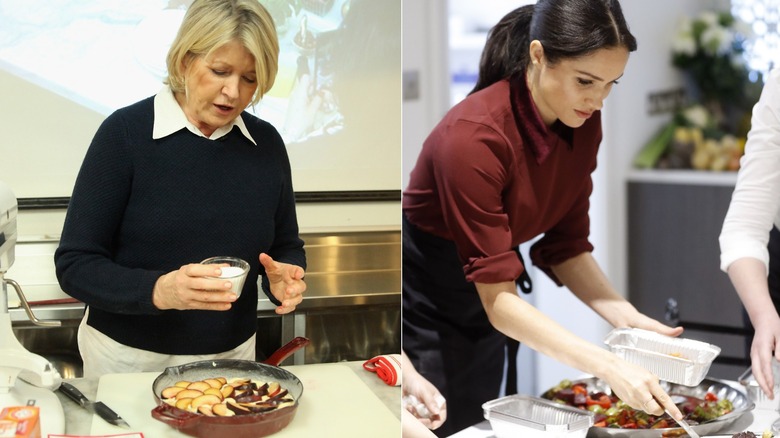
(286,283)
(642,321)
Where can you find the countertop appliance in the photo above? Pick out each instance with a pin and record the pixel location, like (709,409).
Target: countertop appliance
(25,378)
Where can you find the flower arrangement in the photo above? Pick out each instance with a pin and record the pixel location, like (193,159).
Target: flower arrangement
(710,48)
(708,134)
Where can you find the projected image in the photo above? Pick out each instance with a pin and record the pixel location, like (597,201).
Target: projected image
(105,54)
(336,100)
(86,51)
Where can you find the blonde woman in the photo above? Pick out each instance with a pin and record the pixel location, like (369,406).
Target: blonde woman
(174,179)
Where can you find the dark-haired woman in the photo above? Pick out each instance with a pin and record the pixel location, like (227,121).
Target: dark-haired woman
(509,163)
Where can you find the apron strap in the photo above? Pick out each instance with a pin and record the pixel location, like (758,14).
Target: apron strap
(524,280)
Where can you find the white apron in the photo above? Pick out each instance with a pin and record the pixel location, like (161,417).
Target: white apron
(103,355)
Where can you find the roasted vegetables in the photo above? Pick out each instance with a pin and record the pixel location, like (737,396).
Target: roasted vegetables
(611,412)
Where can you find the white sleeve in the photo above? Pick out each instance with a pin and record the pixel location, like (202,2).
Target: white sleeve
(756,198)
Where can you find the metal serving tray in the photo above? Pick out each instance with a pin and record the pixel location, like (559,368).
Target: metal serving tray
(742,405)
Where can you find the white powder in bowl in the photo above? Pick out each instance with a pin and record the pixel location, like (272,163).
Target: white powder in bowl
(231,271)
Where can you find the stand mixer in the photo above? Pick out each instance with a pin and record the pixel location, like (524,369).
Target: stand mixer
(25,377)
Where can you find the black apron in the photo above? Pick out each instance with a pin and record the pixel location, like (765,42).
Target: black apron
(446,332)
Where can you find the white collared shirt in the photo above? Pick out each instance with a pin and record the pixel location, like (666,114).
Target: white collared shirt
(170,118)
(755,204)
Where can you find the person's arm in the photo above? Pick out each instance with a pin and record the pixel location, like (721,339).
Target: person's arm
(748,275)
(519,320)
(746,227)
(283,265)
(411,427)
(83,260)
(583,276)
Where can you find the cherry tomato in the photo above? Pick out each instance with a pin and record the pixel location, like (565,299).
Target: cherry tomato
(604,401)
(579,389)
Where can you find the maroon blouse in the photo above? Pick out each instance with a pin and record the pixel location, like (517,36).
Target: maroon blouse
(491,176)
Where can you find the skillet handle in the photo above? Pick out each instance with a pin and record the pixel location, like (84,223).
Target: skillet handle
(287,350)
(174,417)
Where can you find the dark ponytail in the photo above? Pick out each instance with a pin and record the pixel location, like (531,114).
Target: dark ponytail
(506,49)
(566,28)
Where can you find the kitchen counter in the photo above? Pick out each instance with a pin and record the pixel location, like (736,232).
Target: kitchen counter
(757,421)
(79,421)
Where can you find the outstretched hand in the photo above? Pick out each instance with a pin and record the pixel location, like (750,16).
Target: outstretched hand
(286,282)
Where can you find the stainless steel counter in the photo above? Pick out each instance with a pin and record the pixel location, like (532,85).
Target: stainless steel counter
(351,308)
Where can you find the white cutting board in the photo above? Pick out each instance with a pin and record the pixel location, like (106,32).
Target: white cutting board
(335,403)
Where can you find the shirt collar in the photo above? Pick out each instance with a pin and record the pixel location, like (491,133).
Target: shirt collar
(170,118)
(537,136)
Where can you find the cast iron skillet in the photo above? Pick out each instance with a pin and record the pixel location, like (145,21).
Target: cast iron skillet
(239,426)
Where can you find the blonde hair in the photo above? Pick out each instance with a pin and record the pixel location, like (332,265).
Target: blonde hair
(210,24)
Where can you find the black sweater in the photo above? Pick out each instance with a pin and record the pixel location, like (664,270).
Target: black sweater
(143,207)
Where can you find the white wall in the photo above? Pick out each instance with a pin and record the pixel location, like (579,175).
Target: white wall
(424,36)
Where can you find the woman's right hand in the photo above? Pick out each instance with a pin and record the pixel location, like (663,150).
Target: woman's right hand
(190,288)
(640,389)
(414,384)
(765,341)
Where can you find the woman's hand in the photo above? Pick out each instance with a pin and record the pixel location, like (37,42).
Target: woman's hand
(414,384)
(749,277)
(640,389)
(642,321)
(190,288)
(765,341)
(286,283)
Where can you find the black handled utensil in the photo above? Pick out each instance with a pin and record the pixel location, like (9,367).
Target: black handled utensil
(95,407)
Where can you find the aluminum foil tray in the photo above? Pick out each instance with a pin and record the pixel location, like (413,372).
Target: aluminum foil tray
(532,417)
(676,360)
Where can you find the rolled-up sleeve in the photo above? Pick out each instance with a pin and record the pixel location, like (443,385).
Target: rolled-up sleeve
(756,198)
